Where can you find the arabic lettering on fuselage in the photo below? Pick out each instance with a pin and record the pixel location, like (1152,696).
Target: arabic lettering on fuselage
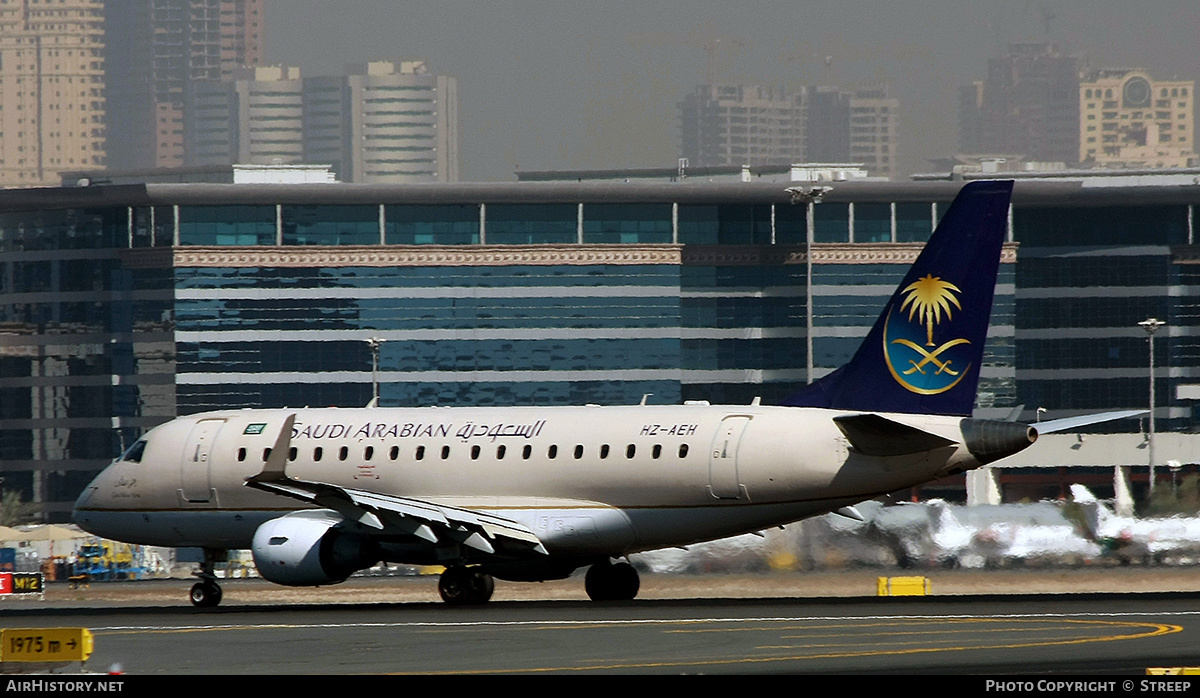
(402,430)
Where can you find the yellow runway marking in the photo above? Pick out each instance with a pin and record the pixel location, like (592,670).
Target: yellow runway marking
(917,630)
(1148,630)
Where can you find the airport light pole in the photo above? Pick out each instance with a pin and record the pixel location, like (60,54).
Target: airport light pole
(374,343)
(808,196)
(1151,326)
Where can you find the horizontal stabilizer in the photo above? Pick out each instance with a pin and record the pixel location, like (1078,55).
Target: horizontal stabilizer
(875,435)
(1069,423)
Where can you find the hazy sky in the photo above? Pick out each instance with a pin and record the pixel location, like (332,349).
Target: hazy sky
(582,85)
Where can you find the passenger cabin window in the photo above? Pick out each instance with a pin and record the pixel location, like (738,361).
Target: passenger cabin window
(266,454)
(368,452)
(475,453)
(445,452)
(630,450)
(500,452)
(343,452)
(317,453)
(657,451)
(241,455)
(683,449)
(527,451)
(292,452)
(420,455)
(604,451)
(394,453)
(578,451)
(552,452)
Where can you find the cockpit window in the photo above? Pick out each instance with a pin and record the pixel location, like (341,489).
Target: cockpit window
(134,453)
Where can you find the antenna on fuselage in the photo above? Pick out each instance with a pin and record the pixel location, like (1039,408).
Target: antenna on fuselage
(645,397)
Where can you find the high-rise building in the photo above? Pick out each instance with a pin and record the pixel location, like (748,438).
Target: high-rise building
(726,125)
(51,89)
(254,119)
(399,124)
(383,123)
(156,48)
(325,112)
(742,125)
(826,124)
(1128,119)
(1027,106)
(874,130)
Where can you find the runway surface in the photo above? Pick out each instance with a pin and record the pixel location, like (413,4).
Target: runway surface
(152,630)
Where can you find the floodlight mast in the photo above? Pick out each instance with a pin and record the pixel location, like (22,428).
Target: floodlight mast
(374,343)
(1151,325)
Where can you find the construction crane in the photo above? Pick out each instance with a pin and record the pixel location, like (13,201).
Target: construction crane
(718,49)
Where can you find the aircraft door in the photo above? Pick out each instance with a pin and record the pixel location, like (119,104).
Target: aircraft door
(195,461)
(722,462)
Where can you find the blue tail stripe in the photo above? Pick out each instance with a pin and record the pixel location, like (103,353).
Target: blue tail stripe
(924,352)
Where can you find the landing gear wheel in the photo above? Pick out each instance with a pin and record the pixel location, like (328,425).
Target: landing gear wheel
(205,594)
(465,586)
(608,582)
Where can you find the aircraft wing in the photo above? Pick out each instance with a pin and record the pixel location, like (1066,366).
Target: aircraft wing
(390,514)
(430,521)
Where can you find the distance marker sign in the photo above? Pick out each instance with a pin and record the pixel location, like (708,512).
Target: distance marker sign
(45,644)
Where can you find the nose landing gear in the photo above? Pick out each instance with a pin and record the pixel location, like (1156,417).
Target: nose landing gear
(207,593)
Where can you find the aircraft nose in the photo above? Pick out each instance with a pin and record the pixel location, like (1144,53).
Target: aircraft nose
(88,501)
(83,499)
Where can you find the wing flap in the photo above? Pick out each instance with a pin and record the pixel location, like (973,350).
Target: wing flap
(427,520)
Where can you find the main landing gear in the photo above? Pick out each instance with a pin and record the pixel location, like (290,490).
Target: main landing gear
(207,593)
(465,586)
(608,582)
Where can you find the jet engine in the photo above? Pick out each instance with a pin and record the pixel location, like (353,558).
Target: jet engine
(310,548)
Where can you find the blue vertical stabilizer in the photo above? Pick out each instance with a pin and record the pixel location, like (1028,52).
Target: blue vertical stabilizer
(923,354)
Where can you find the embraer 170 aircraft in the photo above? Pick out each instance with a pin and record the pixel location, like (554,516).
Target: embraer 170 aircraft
(535,493)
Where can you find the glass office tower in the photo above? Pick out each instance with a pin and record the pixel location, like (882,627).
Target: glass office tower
(125,306)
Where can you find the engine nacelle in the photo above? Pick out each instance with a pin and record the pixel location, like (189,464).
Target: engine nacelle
(309,548)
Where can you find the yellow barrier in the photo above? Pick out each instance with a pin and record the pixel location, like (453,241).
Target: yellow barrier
(45,644)
(902,586)
(1173,671)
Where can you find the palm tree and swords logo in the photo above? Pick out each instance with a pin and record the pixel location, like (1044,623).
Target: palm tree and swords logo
(914,359)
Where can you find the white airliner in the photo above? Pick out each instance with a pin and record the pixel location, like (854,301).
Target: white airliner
(535,493)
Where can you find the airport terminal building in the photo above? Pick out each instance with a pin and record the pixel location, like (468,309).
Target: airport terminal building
(126,305)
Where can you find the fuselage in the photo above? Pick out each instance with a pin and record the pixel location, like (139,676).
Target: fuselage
(586,480)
